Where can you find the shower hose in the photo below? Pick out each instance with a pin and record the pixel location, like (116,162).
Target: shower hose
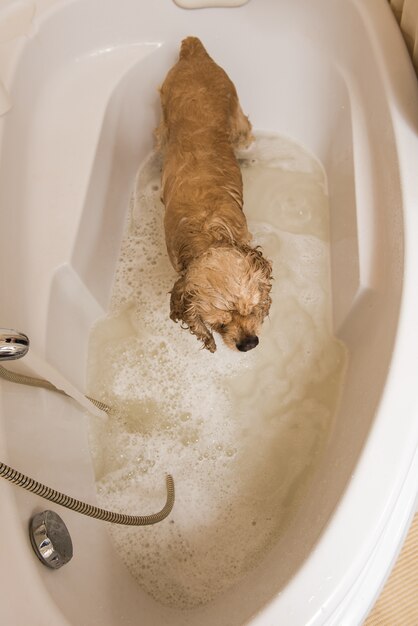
(52,495)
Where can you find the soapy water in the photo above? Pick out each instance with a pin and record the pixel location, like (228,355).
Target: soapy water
(241,433)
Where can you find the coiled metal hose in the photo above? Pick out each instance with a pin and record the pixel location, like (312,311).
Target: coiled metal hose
(52,495)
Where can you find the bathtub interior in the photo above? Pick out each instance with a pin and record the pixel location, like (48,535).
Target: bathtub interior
(85,103)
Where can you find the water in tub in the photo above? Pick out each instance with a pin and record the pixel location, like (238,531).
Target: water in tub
(240,432)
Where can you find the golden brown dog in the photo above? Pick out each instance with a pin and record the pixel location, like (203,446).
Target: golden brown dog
(224,283)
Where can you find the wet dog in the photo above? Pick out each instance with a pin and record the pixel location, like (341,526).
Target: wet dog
(224,283)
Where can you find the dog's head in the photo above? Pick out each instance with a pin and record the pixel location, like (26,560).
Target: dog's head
(227,290)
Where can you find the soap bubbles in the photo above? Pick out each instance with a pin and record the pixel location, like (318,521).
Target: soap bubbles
(240,433)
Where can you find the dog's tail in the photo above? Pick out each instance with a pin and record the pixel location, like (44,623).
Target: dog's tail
(190,47)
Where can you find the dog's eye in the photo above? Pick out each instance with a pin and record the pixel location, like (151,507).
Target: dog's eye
(222,326)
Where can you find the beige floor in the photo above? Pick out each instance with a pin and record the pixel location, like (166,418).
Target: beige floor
(398,602)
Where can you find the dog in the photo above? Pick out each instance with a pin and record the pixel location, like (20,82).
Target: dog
(224,283)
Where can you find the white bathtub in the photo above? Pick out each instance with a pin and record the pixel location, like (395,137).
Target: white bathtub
(81,79)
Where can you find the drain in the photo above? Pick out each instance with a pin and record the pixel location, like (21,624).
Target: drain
(50,539)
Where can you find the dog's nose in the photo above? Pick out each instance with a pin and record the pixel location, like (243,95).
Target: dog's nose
(248,343)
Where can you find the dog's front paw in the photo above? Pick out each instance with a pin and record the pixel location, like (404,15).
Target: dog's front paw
(209,344)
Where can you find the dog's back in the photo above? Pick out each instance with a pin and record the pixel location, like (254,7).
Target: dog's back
(201,124)
(197,92)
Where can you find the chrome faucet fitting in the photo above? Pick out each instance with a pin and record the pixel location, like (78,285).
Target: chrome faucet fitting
(13,345)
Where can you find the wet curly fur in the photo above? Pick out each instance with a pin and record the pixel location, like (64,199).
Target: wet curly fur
(224,283)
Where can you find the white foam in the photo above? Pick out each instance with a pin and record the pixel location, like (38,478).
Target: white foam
(240,433)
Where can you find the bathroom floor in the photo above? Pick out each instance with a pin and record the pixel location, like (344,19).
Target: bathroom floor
(398,604)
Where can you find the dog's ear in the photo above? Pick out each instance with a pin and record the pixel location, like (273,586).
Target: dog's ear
(183,309)
(263,268)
